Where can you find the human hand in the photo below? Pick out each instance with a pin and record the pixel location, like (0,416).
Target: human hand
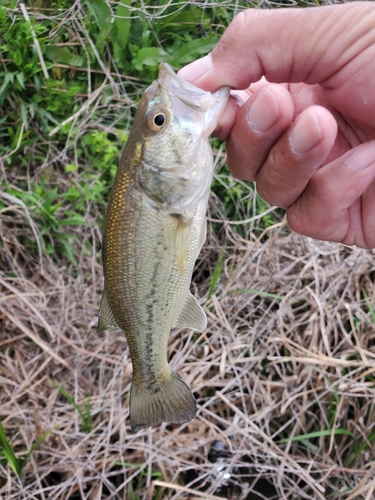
(308,143)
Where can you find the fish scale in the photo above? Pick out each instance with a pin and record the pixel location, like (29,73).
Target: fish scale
(154,229)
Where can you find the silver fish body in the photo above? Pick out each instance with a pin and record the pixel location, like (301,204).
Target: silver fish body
(154,229)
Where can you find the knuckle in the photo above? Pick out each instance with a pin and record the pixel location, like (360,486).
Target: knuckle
(240,22)
(234,34)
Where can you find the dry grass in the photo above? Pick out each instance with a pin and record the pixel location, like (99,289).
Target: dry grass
(289,350)
(265,369)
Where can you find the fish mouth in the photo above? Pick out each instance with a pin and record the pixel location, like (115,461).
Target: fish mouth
(188,93)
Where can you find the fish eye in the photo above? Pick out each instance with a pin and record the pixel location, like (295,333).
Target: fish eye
(159,119)
(156,121)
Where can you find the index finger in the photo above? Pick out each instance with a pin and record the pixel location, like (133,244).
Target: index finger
(285,45)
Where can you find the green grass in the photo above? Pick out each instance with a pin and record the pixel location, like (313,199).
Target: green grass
(85,413)
(44,106)
(9,456)
(317,434)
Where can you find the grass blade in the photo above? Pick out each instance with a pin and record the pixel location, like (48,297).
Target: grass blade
(316,434)
(85,417)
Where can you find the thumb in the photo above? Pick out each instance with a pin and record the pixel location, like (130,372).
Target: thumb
(286,45)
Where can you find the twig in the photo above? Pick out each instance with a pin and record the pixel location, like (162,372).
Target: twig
(98,71)
(245,221)
(37,340)
(19,202)
(17,145)
(102,65)
(83,108)
(177,487)
(30,306)
(277,451)
(36,41)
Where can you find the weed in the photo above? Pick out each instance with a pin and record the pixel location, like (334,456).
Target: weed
(85,414)
(17,463)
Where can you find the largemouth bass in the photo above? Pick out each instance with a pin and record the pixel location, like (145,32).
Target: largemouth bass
(154,228)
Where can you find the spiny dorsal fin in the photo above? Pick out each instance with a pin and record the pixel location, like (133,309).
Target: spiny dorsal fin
(182,242)
(106,319)
(192,315)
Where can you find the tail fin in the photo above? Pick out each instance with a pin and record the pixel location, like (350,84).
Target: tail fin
(170,401)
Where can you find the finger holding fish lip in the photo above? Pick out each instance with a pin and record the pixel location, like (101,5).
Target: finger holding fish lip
(237,99)
(268,145)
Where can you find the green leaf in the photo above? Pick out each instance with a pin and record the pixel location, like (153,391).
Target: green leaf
(17,57)
(21,79)
(149,56)
(122,25)
(13,461)
(101,12)
(72,167)
(8,78)
(359,449)
(8,452)
(192,16)
(136,32)
(196,48)
(86,417)
(51,195)
(103,17)
(132,465)
(77,220)
(64,55)
(3,15)
(24,114)
(322,433)
(36,445)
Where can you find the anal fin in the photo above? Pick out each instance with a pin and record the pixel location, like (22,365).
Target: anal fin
(106,319)
(192,315)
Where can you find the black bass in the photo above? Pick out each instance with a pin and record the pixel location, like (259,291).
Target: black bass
(154,228)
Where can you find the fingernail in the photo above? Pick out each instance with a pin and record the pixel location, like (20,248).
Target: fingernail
(305,134)
(362,157)
(195,70)
(264,112)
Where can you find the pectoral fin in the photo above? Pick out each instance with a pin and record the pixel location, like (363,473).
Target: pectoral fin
(192,315)
(106,319)
(182,242)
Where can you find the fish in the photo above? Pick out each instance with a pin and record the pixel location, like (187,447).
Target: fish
(154,228)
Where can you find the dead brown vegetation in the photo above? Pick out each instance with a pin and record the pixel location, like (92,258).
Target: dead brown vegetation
(289,351)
